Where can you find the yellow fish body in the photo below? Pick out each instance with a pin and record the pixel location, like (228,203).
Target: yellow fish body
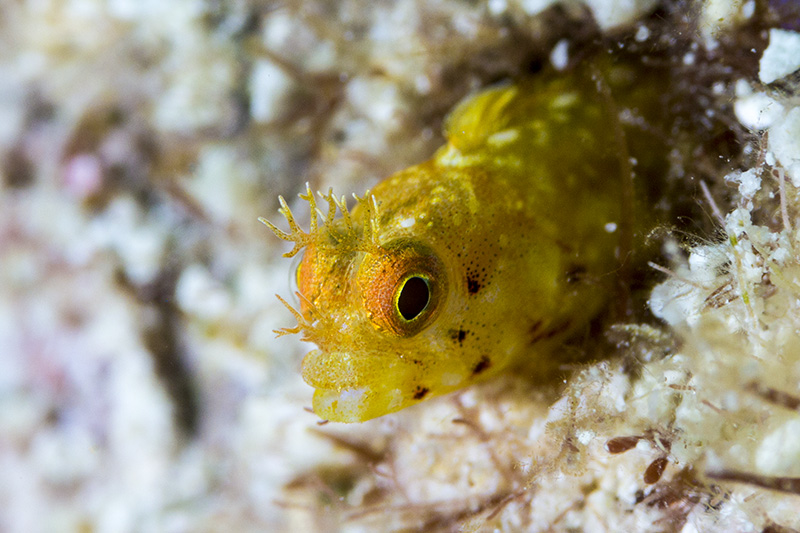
(484,258)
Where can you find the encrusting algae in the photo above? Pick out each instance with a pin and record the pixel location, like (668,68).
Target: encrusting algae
(489,255)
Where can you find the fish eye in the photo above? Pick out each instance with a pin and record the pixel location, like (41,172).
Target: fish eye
(403,288)
(414,297)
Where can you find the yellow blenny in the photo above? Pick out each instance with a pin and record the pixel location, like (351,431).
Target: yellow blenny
(485,257)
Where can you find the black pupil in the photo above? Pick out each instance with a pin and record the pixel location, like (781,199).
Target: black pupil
(414,298)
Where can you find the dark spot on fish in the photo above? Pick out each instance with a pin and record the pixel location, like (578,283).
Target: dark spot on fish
(420,392)
(458,335)
(473,286)
(482,365)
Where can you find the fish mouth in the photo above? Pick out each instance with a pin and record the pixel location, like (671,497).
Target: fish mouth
(355,405)
(351,388)
(347,405)
(333,370)
(338,370)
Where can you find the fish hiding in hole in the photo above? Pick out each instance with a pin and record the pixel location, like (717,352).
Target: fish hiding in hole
(489,255)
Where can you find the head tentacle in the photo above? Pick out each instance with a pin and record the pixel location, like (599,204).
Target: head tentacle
(343,234)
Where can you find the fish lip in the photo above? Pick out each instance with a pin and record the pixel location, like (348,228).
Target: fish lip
(335,371)
(356,404)
(346,405)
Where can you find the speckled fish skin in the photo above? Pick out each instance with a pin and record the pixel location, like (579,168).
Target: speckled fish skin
(509,227)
